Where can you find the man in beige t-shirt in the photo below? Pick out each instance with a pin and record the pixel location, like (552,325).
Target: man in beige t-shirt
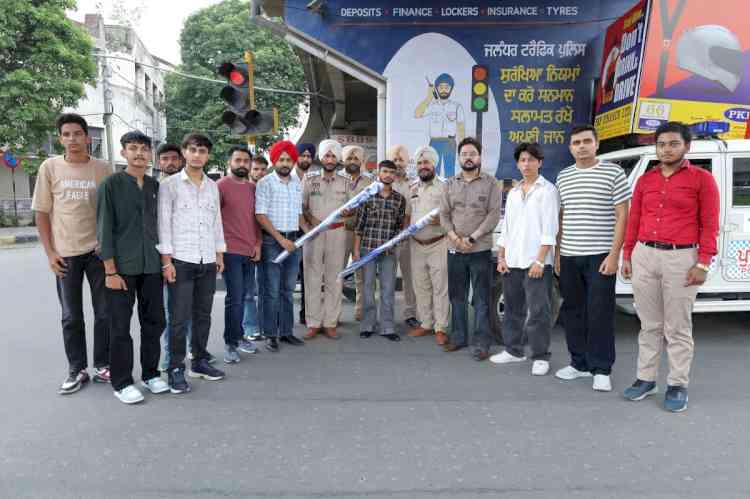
(65,211)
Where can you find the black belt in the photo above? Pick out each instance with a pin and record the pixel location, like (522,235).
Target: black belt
(668,246)
(291,235)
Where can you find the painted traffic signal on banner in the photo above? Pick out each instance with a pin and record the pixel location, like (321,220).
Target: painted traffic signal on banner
(480,90)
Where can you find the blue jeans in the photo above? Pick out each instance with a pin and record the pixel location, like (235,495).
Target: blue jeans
(474,269)
(588,313)
(385,266)
(446,149)
(277,286)
(165,357)
(239,275)
(252,312)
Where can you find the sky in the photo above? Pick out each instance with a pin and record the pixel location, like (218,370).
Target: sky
(160,24)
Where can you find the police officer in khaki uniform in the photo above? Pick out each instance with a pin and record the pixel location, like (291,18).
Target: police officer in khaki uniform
(429,251)
(354,157)
(325,256)
(400,155)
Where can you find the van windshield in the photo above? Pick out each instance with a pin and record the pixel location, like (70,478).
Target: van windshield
(627,164)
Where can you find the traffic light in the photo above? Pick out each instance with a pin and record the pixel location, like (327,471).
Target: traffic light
(242,118)
(480,97)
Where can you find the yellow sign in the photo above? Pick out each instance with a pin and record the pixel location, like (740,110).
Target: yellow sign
(653,112)
(614,123)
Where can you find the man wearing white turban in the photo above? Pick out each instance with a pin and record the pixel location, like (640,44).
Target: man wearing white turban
(429,251)
(400,155)
(322,193)
(354,160)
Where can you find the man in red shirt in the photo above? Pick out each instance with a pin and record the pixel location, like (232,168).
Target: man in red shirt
(669,242)
(242,235)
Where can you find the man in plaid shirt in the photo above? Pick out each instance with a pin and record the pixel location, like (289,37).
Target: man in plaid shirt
(379,219)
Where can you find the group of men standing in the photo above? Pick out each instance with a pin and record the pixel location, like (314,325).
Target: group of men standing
(578,229)
(163,244)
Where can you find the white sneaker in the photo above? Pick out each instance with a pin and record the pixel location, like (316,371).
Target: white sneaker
(539,368)
(505,358)
(602,383)
(129,395)
(155,385)
(569,372)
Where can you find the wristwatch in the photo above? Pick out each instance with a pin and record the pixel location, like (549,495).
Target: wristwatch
(472,240)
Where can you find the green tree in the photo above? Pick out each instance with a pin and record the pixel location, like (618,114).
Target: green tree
(45,62)
(217,34)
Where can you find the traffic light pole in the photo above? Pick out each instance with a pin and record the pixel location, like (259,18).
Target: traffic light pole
(250,93)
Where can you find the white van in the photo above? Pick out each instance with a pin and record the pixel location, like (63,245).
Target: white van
(727,288)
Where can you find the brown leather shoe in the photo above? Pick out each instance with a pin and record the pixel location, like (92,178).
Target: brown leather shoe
(450,347)
(441,338)
(331,333)
(419,332)
(311,332)
(480,356)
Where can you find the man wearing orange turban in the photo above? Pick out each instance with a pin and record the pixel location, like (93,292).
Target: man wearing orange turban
(278,209)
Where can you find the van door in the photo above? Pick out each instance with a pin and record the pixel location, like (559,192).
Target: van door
(736,229)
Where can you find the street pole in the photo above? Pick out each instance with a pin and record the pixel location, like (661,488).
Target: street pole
(107,94)
(15,203)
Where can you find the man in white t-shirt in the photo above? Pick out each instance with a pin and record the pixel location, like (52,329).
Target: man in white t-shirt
(446,122)
(594,198)
(65,212)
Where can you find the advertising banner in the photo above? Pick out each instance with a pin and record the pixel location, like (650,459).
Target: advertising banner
(698,59)
(617,90)
(504,73)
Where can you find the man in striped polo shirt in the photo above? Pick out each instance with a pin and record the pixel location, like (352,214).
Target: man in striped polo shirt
(594,198)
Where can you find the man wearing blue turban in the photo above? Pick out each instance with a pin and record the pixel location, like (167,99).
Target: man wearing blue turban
(446,122)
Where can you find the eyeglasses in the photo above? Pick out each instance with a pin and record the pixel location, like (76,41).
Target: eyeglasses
(469,154)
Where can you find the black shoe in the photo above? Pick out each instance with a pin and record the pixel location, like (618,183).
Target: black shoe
(177,383)
(392,337)
(291,340)
(74,382)
(257,337)
(202,369)
(272,345)
(413,323)
(365,334)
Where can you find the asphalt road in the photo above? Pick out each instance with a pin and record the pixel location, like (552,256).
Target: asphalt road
(363,418)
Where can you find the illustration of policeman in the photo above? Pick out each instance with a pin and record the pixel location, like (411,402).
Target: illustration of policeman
(446,122)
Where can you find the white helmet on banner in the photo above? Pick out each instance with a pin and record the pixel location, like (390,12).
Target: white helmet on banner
(713,52)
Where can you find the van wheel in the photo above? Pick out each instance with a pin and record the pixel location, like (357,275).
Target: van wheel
(497,308)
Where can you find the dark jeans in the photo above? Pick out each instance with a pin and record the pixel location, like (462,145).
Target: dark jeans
(70,294)
(465,269)
(528,313)
(276,288)
(588,313)
(239,276)
(165,336)
(191,297)
(148,289)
